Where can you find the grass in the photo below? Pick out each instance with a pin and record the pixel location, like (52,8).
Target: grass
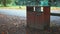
(55,8)
(14,7)
(24,7)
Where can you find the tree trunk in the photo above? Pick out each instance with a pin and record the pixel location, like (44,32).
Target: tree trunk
(4,2)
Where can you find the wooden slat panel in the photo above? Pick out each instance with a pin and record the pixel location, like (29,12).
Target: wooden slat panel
(38,21)
(29,8)
(47,16)
(30,18)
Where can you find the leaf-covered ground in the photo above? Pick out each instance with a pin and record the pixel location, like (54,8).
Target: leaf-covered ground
(12,24)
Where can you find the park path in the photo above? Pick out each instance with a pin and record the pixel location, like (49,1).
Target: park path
(14,21)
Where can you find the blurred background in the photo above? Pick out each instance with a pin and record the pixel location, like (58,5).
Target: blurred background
(13,14)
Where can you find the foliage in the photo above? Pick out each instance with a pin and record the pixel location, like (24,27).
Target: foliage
(5,2)
(9,1)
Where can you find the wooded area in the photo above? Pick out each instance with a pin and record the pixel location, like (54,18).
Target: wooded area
(29,3)
(9,2)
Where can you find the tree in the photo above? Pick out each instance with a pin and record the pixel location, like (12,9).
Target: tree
(5,2)
(9,1)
